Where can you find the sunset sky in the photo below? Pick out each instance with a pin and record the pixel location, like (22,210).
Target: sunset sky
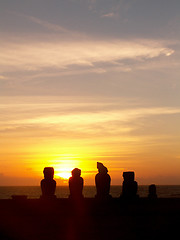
(83,81)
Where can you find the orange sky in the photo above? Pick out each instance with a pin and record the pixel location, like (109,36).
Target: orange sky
(66,133)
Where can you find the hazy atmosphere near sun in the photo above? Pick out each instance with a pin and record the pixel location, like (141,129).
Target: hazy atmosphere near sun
(83,81)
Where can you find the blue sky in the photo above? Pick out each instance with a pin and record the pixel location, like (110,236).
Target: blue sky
(91,73)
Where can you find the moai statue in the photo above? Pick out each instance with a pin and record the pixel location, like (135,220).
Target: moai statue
(152,192)
(48,184)
(103,181)
(129,187)
(76,183)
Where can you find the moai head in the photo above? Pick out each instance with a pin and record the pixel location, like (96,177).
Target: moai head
(76,172)
(101,168)
(128,176)
(48,173)
(152,189)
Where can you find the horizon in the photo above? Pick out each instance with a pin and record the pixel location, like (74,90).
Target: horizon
(90,81)
(114,185)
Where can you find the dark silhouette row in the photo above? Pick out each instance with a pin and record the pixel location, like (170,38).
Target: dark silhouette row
(102,181)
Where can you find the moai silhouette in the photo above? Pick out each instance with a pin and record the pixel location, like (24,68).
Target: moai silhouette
(103,181)
(48,184)
(129,187)
(76,183)
(152,192)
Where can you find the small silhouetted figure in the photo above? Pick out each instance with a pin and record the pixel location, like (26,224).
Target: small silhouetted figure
(48,184)
(103,181)
(129,187)
(76,183)
(152,192)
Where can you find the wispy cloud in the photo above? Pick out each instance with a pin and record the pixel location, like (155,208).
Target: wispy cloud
(109,15)
(2,77)
(76,119)
(56,28)
(102,117)
(53,27)
(34,56)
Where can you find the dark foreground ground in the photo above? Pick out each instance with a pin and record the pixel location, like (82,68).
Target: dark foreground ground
(59,219)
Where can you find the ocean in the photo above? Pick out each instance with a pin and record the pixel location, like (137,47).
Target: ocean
(163,191)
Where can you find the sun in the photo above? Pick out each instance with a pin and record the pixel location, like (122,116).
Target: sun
(63,166)
(66,174)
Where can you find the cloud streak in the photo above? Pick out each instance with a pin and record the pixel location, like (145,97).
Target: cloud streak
(2,77)
(109,15)
(35,56)
(76,118)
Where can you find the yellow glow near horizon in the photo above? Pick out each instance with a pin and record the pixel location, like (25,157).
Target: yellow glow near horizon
(64,174)
(64,165)
(81,137)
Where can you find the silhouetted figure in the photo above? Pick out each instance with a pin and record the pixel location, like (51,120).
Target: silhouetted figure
(48,184)
(76,183)
(103,181)
(129,187)
(152,192)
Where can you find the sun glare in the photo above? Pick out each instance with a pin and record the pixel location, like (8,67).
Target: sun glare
(66,174)
(65,163)
(64,166)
